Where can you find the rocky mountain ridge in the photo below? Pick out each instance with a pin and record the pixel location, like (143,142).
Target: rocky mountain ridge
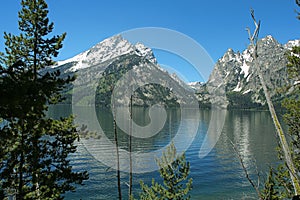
(234,75)
(239,77)
(108,49)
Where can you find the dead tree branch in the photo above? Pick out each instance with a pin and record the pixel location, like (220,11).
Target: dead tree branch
(256,187)
(283,142)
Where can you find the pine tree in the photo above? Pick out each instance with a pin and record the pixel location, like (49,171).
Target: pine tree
(34,149)
(292,119)
(292,104)
(270,191)
(174,170)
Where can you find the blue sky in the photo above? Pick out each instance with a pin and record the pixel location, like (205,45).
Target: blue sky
(216,25)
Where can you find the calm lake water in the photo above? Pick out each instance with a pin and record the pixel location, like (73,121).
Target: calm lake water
(216,176)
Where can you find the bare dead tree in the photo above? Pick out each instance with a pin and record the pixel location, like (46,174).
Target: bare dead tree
(255,186)
(283,142)
(130,149)
(117,148)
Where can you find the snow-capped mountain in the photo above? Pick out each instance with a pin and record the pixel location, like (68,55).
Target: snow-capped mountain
(237,75)
(103,65)
(195,85)
(234,75)
(108,49)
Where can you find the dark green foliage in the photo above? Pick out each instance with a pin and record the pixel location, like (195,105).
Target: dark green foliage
(283,182)
(292,119)
(298,3)
(294,63)
(52,168)
(174,170)
(292,106)
(203,102)
(116,70)
(278,184)
(1,193)
(31,45)
(158,95)
(110,77)
(270,191)
(237,100)
(34,149)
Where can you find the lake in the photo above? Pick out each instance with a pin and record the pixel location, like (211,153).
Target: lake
(218,175)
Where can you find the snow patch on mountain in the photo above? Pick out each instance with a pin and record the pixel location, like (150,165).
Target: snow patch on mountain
(247,91)
(142,50)
(238,87)
(268,39)
(76,58)
(195,85)
(292,43)
(245,69)
(108,49)
(247,55)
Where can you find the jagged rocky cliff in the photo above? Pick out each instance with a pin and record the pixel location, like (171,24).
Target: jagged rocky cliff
(239,77)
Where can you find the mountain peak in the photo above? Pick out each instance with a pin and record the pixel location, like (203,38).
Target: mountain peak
(142,50)
(269,41)
(108,49)
(269,37)
(112,43)
(239,74)
(291,43)
(230,55)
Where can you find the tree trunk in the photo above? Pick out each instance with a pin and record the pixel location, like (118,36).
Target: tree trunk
(117,151)
(280,133)
(21,183)
(279,130)
(130,149)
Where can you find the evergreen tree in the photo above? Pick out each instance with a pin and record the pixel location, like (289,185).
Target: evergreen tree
(292,104)
(174,170)
(34,149)
(270,191)
(292,119)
